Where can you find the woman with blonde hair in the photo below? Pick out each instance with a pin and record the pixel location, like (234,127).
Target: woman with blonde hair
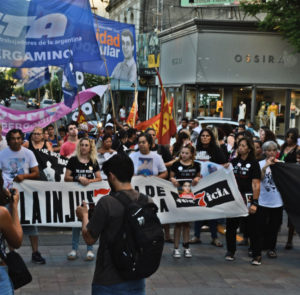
(84,169)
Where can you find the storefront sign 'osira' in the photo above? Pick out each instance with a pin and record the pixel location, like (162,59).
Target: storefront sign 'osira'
(286,59)
(51,25)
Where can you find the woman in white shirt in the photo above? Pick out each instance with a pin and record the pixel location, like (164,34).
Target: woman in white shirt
(270,202)
(146,162)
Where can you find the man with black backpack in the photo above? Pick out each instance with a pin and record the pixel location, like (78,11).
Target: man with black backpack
(131,236)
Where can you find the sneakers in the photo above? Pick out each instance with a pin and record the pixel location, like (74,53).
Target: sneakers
(216,243)
(195,240)
(272,254)
(72,255)
(187,253)
(256,260)
(37,258)
(176,253)
(89,256)
(229,256)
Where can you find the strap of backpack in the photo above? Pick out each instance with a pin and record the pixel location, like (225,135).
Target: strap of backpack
(125,200)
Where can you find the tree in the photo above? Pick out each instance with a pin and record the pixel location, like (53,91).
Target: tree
(282,16)
(6,86)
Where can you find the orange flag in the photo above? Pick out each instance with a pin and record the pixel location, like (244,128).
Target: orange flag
(81,117)
(154,121)
(133,115)
(167,126)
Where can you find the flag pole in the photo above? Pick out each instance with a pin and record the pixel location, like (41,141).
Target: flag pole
(135,102)
(52,98)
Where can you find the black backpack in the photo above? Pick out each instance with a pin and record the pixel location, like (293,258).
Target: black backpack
(137,248)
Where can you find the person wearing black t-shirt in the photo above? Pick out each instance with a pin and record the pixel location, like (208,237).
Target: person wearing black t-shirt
(247,174)
(82,168)
(208,150)
(184,173)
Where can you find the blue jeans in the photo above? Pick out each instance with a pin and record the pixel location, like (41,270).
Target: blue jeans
(6,287)
(75,239)
(212,227)
(136,287)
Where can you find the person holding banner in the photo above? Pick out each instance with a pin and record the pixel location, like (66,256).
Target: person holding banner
(146,162)
(208,150)
(19,163)
(84,169)
(270,203)
(247,173)
(186,172)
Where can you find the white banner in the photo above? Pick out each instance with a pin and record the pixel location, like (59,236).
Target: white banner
(54,203)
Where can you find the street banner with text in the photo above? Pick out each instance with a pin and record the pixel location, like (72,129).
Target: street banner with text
(27,120)
(39,33)
(54,203)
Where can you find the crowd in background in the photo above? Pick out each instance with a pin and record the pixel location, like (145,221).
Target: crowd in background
(249,155)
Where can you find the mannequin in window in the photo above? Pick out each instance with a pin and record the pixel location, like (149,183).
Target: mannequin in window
(261,114)
(273,113)
(242,111)
(294,111)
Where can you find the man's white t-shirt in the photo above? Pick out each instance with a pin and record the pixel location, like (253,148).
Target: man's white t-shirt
(269,195)
(147,165)
(16,163)
(3,143)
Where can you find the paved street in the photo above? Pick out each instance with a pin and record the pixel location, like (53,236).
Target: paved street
(206,273)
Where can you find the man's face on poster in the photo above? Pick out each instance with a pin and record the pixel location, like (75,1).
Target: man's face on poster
(127,47)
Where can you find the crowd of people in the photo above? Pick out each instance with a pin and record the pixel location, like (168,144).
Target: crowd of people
(180,162)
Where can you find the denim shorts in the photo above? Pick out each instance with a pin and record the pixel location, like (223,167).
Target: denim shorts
(30,230)
(136,287)
(6,287)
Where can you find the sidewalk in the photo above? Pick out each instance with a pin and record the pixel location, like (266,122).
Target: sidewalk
(205,273)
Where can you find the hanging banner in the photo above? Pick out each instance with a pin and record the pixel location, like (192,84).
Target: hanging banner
(27,120)
(39,33)
(54,204)
(117,46)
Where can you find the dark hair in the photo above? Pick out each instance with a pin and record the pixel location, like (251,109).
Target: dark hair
(242,120)
(150,129)
(131,131)
(259,142)
(106,136)
(72,123)
(148,138)
(250,145)
(179,142)
(50,125)
(13,131)
(294,132)
(185,119)
(62,128)
(121,166)
(212,144)
(122,134)
(242,126)
(127,33)
(269,135)
(298,152)
(221,133)
(227,128)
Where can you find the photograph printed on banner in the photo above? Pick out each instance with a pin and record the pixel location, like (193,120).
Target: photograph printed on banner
(185,191)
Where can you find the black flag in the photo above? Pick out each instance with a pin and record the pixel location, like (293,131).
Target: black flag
(287,179)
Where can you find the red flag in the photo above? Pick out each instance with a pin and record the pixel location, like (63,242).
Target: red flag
(133,115)
(81,117)
(167,126)
(151,123)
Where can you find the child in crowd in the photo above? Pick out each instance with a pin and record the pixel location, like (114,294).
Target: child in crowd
(182,171)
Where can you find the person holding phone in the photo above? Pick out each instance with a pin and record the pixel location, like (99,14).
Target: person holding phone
(84,169)
(11,231)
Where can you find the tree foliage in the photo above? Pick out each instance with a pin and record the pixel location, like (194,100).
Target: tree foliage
(6,85)
(282,16)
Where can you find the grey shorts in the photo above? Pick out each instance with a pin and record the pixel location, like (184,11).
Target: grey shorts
(31,230)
